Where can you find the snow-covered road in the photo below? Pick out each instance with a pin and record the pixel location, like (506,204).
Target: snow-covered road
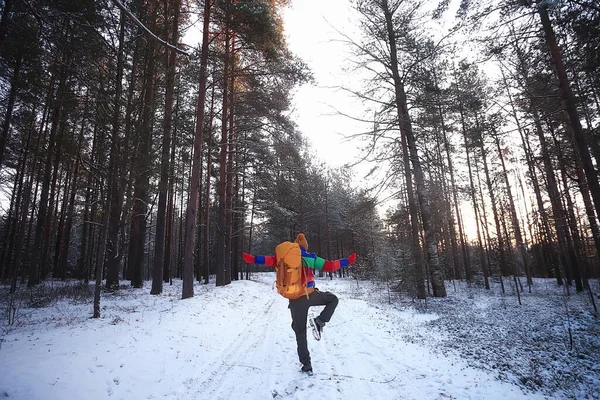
(233,342)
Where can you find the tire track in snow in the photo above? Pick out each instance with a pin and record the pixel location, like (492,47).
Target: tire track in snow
(348,363)
(370,360)
(323,356)
(244,355)
(290,383)
(357,359)
(378,362)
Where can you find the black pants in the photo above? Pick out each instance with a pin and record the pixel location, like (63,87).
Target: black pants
(299,309)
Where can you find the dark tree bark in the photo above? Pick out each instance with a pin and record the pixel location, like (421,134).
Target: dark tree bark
(170,208)
(487,272)
(567,254)
(471,189)
(114,187)
(101,253)
(53,199)
(19,216)
(14,85)
(31,169)
(552,253)
(222,268)
(230,170)
(410,154)
(171,57)
(570,106)
(83,264)
(5,21)
(466,262)
(206,243)
(119,211)
(513,215)
(66,240)
(494,202)
(11,219)
(59,228)
(571,220)
(192,207)
(141,196)
(35,265)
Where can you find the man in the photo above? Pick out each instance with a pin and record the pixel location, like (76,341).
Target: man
(299,307)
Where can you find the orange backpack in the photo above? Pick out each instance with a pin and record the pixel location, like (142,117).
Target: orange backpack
(289,271)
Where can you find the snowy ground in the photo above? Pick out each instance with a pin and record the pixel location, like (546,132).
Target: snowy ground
(235,342)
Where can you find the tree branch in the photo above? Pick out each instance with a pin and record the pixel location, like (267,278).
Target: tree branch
(148,31)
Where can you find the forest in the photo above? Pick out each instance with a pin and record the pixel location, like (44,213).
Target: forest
(132,153)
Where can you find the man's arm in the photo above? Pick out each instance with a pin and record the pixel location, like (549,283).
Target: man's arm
(268,261)
(316,262)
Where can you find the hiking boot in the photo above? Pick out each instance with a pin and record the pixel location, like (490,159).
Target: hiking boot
(307,368)
(317,327)
(320,324)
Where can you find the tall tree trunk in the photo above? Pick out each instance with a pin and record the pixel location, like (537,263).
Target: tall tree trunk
(32,163)
(12,217)
(221,219)
(456,203)
(56,271)
(252,213)
(181,238)
(10,221)
(570,106)
(36,175)
(170,60)
(206,243)
(410,152)
(114,182)
(64,255)
(567,254)
(235,226)
(83,264)
(101,252)
(499,236)
(516,279)
(242,215)
(448,226)
(587,201)
(34,266)
(65,239)
(471,188)
(170,205)
(531,165)
(581,265)
(20,234)
(141,197)
(487,272)
(476,211)
(120,211)
(513,214)
(581,178)
(230,170)
(14,84)
(19,213)
(53,199)
(5,20)
(190,217)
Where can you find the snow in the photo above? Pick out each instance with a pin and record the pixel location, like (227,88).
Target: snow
(235,342)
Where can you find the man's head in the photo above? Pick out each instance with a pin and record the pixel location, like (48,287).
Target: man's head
(301,240)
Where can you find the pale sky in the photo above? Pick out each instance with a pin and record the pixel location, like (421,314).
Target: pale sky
(310,28)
